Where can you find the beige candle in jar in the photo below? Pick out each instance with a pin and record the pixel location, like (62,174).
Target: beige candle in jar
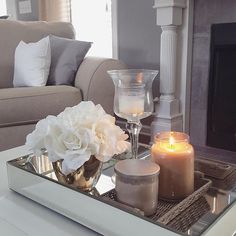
(175,157)
(137,184)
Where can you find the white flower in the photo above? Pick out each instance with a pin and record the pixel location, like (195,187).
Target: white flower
(35,140)
(76,134)
(80,145)
(111,138)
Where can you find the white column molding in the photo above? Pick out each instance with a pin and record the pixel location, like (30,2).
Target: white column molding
(168,61)
(167,111)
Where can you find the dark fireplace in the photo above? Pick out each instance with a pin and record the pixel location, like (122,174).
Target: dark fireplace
(221,111)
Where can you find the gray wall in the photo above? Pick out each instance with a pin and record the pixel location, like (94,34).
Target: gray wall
(205,14)
(13,10)
(138,35)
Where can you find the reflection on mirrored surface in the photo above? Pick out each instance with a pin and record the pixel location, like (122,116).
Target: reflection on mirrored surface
(42,166)
(192,221)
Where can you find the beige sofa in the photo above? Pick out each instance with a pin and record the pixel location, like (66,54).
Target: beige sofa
(21,108)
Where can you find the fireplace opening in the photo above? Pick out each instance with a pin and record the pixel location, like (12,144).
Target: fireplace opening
(221,111)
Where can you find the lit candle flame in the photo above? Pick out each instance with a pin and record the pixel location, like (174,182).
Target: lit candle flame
(171,141)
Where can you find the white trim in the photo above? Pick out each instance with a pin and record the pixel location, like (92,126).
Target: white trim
(169,13)
(114,20)
(11,9)
(170,18)
(170,3)
(185,67)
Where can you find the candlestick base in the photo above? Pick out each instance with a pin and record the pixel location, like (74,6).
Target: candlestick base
(134,130)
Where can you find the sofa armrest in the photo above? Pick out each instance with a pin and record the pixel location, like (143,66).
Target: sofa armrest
(94,82)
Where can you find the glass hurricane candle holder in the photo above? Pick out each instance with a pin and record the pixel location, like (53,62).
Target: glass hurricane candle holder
(133,99)
(175,156)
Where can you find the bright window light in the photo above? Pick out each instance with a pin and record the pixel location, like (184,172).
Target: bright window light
(3,8)
(93,23)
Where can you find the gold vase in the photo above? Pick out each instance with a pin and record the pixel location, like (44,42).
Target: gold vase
(84,178)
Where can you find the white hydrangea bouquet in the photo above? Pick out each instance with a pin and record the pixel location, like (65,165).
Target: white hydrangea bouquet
(77,133)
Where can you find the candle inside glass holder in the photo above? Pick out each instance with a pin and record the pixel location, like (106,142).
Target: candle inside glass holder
(175,157)
(131,105)
(133,99)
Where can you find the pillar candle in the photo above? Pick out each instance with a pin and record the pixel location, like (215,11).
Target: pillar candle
(137,184)
(175,157)
(131,105)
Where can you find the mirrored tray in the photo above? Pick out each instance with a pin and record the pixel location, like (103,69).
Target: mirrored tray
(99,210)
(168,211)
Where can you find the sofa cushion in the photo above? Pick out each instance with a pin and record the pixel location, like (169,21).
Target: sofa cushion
(12,32)
(32,63)
(27,105)
(67,55)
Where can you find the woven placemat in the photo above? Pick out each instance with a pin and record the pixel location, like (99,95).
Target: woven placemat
(170,212)
(189,216)
(222,174)
(227,184)
(214,168)
(183,219)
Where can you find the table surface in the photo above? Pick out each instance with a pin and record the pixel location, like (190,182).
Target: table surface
(21,216)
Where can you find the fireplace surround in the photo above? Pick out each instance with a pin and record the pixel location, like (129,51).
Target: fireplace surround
(212,114)
(221,109)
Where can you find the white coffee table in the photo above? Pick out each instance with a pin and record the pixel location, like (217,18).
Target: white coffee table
(20,216)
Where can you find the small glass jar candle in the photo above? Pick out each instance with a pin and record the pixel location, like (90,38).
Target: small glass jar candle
(137,184)
(175,157)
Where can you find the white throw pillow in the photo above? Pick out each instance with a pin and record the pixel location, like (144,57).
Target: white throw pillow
(32,63)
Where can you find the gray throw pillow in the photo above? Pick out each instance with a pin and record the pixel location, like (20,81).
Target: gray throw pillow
(66,57)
